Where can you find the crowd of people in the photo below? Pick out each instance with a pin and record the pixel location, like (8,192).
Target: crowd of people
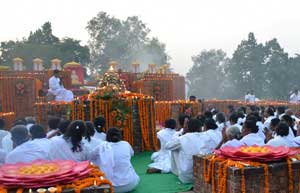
(245,126)
(65,140)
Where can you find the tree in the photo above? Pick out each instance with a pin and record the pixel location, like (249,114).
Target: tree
(123,41)
(246,69)
(277,71)
(43,44)
(207,74)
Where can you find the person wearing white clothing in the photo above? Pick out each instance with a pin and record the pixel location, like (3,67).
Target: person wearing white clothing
(3,132)
(113,157)
(231,138)
(233,119)
(2,156)
(220,121)
(192,143)
(70,146)
(250,134)
(162,158)
(295,96)
(269,115)
(99,123)
(89,140)
(281,138)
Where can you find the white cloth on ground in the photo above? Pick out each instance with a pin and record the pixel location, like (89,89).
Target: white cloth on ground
(162,158)
(30,151)
(62,149)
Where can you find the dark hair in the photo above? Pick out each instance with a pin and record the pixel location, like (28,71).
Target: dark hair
(90,130)
(252,117)
(30,120)
(270,111)
(240,114)
(19,134)
(220,117)
(288,119)
(281,109)
(254,114)
(53,122)
(170,123)
(282,129)
(210,124)
(274,122)
(56,71)
(194,125)
(74,133)
(99,123)
(2,124)
(208,114)
(242,109)
(233,117)
(231,108)
(192,97)
(181,118)
(19,122)
(37,132)
(113,135)
(63,125)
(251,125)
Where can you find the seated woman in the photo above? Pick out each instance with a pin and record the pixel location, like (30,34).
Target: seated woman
(231,137)
(113,157)
(191,143)
(99,123)
(89,140)
(281,138)
(70,146)
(162,159)
(250,134)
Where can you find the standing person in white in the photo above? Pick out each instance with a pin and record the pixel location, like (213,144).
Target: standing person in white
(113,157)
(162,158)
(295,96)
(70,146)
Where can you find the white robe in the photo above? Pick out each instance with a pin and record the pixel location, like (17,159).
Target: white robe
(220,126)
(30,151)
(162,158)
(281,141)
(252,139)
(296,141)
(232,143)
(260,126)
(294,98)
(2,156)
(188,145)
(3,133)
(7,143)
(268,122)
(175,153)
(114,160)
(101,136)
(61,149)
(61,94)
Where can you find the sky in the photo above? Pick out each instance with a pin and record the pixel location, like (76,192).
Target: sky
(186,26)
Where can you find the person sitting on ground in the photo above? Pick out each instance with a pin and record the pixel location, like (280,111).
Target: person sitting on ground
(269,115)
(281,138)
(99,123)
(19,135)
(7,143)
(89,140)
(255,118)
(113,157)
(221,121)
(70,147)
(273,126)
(161,159)
(29,122)
(211,130)
(3,131)
(62,127)
(289,120)
(191,143)
(250,134)
(53,127)
(231,137)
(233,120)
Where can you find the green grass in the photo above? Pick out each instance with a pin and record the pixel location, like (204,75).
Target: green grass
(155,183)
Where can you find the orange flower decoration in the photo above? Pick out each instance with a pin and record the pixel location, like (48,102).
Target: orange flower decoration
(114,113)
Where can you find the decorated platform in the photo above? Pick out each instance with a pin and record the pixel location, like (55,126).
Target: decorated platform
(248,169)
(55,176)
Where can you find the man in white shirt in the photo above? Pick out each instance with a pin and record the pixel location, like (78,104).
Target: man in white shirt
(269,115)
(295,96)
(281,138)
(3,132)
(192,143)
(233,120)
(250,134)
(57,89)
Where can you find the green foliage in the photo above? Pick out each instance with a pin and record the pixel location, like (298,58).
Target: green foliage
(123,41)
(266,69)
(43,44)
